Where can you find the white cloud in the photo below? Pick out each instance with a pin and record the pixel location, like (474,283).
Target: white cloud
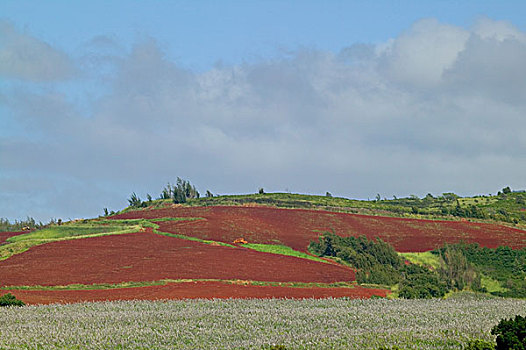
(439,108)
(421,55)
(25,57)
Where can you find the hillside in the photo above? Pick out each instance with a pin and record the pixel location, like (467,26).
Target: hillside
(505,206)
(236,246)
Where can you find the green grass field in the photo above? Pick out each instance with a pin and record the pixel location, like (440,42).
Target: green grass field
(426,259)
(282,250)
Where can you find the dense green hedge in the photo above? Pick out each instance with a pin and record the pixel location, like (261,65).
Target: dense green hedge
(378,263)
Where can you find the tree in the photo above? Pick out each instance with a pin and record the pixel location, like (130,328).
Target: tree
(10,300)
(167,192)
(134,200)
(449,196)
(455,269)
(209,194)
(261,190)
(328,194)
(429,197)
(180,192)
(506,190)
(511,334)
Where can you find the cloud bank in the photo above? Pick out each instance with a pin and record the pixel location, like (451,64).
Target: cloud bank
(438,108)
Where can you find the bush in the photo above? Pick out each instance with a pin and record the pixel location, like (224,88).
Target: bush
(511,334)
(10,300)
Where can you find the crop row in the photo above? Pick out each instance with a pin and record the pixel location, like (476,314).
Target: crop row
(257,324)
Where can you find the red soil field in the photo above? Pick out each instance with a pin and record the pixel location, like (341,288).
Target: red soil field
(5,235)
(147,256)
(298,227)
(193,290)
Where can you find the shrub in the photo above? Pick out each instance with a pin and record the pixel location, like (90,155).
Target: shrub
(10,300)
(511,334)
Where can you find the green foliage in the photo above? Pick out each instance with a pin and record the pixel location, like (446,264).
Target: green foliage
(420,283)
(511,333)
(503,264)
(479,344)
(379,274)
(378,263)
(357,251)
(10,300)
(135,201)
(182,191)
(455,269)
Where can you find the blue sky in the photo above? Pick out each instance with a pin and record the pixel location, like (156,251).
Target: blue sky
(199,33)
(99,99)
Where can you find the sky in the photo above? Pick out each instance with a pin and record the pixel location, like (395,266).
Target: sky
(101,99)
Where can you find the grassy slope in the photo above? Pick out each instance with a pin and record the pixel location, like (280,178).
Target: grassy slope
(510,208)
(282,250)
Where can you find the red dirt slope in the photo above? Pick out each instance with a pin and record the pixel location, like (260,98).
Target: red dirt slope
(298,227)
(148,257)
(193,290)
(5,235)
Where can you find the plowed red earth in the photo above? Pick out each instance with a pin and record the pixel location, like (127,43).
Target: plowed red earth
(149,257)
(298,227)
(5,235)
(192,290)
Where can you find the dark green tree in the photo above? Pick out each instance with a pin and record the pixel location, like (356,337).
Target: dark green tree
(134,200)
(511,334)
(10,300)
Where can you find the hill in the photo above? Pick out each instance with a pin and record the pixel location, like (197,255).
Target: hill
(236,246)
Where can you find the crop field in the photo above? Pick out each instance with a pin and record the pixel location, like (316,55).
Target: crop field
(189,252)
(296,228)
(188,289)
(147,257)
(257,324)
